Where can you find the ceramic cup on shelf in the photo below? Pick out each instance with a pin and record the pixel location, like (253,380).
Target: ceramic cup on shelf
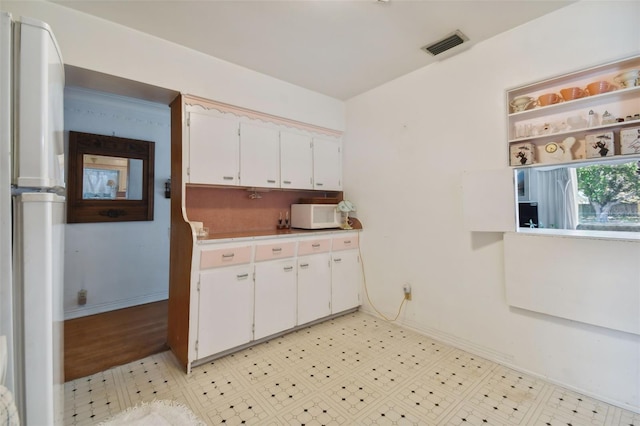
(522,103)
(571,93)
(628,78)
(598,87)
(549,99)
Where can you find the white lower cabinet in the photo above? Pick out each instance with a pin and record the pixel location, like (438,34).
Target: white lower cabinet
(346,272)
(314,287)
(275,297)
(225,309)
(250,290)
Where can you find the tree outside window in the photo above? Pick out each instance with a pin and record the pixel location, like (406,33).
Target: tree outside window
(612,191)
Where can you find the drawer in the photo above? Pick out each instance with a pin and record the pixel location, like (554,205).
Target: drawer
(275,251)
(313,246)
(345,243)
(225,257)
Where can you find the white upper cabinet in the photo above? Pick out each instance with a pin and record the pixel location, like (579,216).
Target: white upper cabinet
(213,149)
(259,156)
(226,149)
(327,164)
(296,161)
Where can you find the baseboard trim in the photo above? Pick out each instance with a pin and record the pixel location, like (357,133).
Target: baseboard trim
(112,306)
(497,357)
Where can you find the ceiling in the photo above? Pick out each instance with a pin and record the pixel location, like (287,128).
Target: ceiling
(338,48)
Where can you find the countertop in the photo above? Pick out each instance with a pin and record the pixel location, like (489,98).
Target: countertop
(215,237)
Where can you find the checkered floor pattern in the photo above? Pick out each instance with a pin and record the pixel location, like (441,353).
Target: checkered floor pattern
(351,370)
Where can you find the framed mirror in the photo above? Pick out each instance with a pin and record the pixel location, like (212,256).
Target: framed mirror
(110,179)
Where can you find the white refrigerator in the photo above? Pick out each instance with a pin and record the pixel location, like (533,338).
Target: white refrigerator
(32,217)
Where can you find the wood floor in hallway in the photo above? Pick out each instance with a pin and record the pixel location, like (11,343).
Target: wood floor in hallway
(97,342)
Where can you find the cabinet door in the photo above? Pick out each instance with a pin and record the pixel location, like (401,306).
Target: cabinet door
(275,301)
(225,309)
(327,165)
(213,149)
(296,161)
(259,156)
(346,280)
(314,287)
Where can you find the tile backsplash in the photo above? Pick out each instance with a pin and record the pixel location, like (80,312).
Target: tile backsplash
(225,210)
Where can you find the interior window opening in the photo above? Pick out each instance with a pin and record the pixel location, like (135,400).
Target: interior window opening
(597,197)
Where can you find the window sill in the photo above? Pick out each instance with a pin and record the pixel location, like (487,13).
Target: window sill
(579,233)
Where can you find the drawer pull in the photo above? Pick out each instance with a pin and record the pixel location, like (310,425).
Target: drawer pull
(271,181)
(228,256)
(288,268)
(319,184)
(227,177)
(286,182)
(337,260)
(316,245)
(276,249)
(348,242)
(304,265)
(242,276)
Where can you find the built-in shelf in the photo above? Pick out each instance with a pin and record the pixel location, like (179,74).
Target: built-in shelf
(542,135)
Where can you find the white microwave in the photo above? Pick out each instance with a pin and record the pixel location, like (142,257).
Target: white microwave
(315,216)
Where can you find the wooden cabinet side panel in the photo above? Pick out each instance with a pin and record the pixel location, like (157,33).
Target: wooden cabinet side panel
(181,247)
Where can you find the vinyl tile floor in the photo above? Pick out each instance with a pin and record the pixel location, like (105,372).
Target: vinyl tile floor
(352,370)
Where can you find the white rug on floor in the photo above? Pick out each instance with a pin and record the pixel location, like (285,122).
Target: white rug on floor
(156,413)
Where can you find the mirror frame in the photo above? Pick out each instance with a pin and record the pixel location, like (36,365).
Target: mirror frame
(80,210)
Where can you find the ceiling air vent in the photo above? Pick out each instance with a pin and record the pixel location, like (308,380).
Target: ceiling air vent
(446,43)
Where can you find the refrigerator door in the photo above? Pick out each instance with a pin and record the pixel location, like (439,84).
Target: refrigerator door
(39,91)
(6,281)
(38,273)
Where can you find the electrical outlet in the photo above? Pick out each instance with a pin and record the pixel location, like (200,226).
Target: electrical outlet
(407,291)
(82,297)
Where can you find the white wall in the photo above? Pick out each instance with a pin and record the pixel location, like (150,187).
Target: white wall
(140,251)
(98,45)
(407,144)
(127,263)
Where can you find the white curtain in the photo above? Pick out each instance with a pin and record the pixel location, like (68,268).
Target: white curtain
(99,183)
(557,198)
